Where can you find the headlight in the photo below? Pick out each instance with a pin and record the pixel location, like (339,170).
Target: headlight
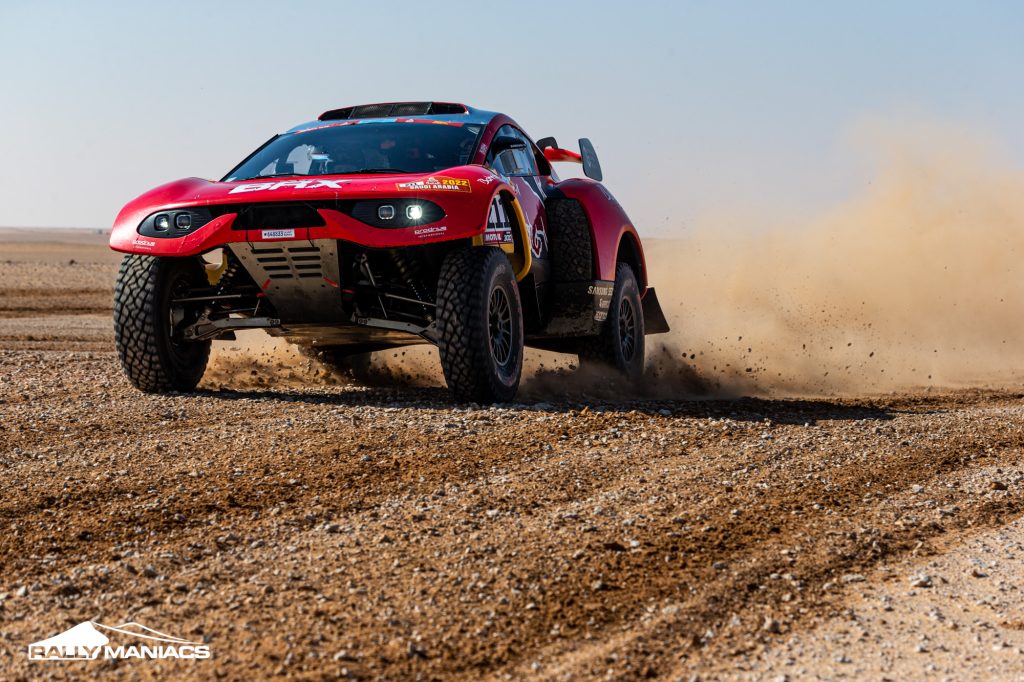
(394,213)
(183,221)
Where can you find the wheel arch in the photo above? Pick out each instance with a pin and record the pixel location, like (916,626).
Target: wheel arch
(630,252)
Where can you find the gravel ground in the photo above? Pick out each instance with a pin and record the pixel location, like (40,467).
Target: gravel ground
(317,529)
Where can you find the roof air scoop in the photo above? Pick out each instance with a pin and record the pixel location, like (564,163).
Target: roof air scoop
(390,109)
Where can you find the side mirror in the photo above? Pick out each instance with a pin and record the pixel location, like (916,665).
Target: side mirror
(546,142)
(591,166)
(503,143)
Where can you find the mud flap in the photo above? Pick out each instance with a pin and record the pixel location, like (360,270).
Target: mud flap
(581,308)
(654,318)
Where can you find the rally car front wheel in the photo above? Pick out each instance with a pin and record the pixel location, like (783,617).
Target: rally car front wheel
(153,353)
(480,325)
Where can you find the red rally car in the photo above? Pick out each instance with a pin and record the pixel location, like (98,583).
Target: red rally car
(385,225)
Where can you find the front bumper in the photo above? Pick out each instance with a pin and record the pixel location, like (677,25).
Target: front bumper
(222,231)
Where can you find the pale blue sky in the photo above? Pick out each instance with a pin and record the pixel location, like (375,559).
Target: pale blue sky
(693,106)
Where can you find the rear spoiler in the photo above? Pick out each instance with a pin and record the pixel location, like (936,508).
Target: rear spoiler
(587,156)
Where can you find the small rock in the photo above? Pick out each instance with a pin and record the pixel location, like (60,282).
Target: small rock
(771,625)
(997,485)
(852,578)
(976,572)
(21,591)
(921,580)
(719,565)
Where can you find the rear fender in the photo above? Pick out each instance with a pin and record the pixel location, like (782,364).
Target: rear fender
(610,229)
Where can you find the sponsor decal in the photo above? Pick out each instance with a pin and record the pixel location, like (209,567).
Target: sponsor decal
(499,226)
(430,231)
(602,294)
(143,243)
(438,183)
(318,183)
(498,236)
(90,641)
(539,240)
(455,124)
(488,180)
(278,234)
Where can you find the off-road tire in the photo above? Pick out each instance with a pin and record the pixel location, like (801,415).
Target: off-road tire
(470,316)
(152,359)
(569,241)
(620,345)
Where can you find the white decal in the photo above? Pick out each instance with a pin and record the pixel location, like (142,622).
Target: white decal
(318,183)
(278,234)
(430,231)
(88,641)
(488,180)
(143,243)
(539,240)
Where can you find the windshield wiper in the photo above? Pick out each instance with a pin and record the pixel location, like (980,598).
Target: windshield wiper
(268,175)
(362,171)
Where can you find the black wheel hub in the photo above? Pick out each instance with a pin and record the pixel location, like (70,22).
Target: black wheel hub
(627,329)
(499,326)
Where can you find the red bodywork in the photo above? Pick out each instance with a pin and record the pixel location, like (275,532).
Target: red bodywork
(466,210)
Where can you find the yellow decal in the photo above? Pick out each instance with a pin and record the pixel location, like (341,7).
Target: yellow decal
(436,183)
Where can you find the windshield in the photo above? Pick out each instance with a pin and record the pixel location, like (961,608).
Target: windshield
(336,149)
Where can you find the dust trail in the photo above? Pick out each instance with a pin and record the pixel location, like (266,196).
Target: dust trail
(918,282)
(259,361)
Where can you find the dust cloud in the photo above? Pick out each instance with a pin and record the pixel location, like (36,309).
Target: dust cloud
(917,282)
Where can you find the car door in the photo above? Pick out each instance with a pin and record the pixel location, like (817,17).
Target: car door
(520,167)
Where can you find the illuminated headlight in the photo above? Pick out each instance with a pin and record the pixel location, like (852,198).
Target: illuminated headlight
(183,221)
(386,212)
(162,222)
(413,211)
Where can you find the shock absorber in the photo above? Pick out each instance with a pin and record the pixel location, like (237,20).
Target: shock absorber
(228,276)
(409,274)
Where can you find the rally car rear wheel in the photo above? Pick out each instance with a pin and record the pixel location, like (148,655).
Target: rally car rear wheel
(480,325)
(621,342)
(147,330)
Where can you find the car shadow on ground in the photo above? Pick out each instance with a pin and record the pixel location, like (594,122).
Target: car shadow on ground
(806,411)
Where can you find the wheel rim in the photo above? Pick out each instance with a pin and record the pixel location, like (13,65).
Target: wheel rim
(180,285)
(499,326)
(627,329)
